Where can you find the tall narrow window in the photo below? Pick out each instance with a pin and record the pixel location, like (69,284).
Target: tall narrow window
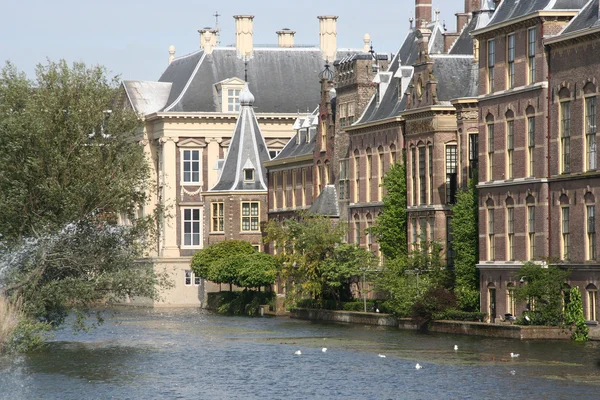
(304,188)
(531,145)
(510,225)
(369,235)
(591,231)
(380,173)
(392,154)
(294,184)
(565,233)
(531,43)
(490,150)
(233,100)
(510,43)
(217,216)
(356,230)
(431,229)
(343,180)
(191,166)
(491,59)
(430,171)
(284,188)
(451,174)
(423,229)
(323,134)
(473,153)
(511,306)
(250,216)
(369,175)
(510,147)
(191,227)
(413,156)
(415,238)
(592,302)
(531,231)
(590,132)
(565,135)
(276,190)
(356,177)
(422,182)
(491,235)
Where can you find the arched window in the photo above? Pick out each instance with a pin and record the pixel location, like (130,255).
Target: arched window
(451,172)
(530,112)
(413,174)
(430,170)
(356,176)
(590,226)
(356,230)
(565,130)
(392,154)
(510,229)
(369,174)
(491,287)
(565,227)
(369,234)
(510,143)
(530,201)
(491,242)
(489,131)
(591,155)
(380,173)
(327,174)
(422,175)
(319,177)
(592,302)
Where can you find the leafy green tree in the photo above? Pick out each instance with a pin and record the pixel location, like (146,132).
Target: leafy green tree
(543,289)
(574,315)
(465,232)
(69,167)
(391,226)
(313,263)
(211,262)
(255,270)
(346,263)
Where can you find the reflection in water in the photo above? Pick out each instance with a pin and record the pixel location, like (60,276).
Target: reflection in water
(182,353)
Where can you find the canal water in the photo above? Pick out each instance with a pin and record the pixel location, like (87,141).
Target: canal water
(193,354)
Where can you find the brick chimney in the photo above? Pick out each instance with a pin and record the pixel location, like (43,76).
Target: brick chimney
(328,36)
(243,34)
(422,12)
(208,39)
(286,37)
(472,5)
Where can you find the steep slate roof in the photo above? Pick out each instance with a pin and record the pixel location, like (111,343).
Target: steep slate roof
(457,76)
(587,18)
(286,78)
(300,147)
(246,150)
(464,43)
(327,203)
(511,9)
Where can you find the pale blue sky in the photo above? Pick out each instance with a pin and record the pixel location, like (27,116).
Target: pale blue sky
(132,38)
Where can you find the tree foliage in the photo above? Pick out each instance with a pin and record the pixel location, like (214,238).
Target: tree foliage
(69,167)
(465,233)
(542,288)
(391,226)
(313,261)
(574,315)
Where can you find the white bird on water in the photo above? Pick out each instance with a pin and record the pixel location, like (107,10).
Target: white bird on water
(324,349)
(455,347)
(298,353)
(513,372)
(514,355)
(381,355)
(418,366)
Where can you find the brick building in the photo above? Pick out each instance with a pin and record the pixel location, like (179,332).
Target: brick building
(536,175)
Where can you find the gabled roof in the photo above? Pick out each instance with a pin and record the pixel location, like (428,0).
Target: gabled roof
(326,203)
(587,18)
(512,9)
(247,150)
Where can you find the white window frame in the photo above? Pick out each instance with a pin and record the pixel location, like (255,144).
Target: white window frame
(220,205)
(249,216)
(191,181)
(232,93)
(194,280)
(184,220)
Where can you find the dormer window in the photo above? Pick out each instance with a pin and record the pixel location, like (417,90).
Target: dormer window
(249,175)
(233,100)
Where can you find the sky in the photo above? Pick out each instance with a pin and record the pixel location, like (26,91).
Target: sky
(132,38)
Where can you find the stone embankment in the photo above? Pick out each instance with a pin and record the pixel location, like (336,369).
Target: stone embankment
(453,327)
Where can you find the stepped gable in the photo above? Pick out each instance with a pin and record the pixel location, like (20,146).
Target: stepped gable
(285,78)
(327,203)
(588,17)
(512,9)
(247,150)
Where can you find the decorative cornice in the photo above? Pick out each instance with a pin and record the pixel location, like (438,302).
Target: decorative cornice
(216,115)
(429,111)
(512,92)
(582,35)
(377,123)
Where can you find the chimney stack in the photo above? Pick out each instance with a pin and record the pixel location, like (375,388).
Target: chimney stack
(422,12)
(208,39)
(367,43)
(328,36)
(472,5)
(243,34)
(171,54)
(286,37)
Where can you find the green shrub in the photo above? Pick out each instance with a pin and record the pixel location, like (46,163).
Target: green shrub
(246,302)
(457,315)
